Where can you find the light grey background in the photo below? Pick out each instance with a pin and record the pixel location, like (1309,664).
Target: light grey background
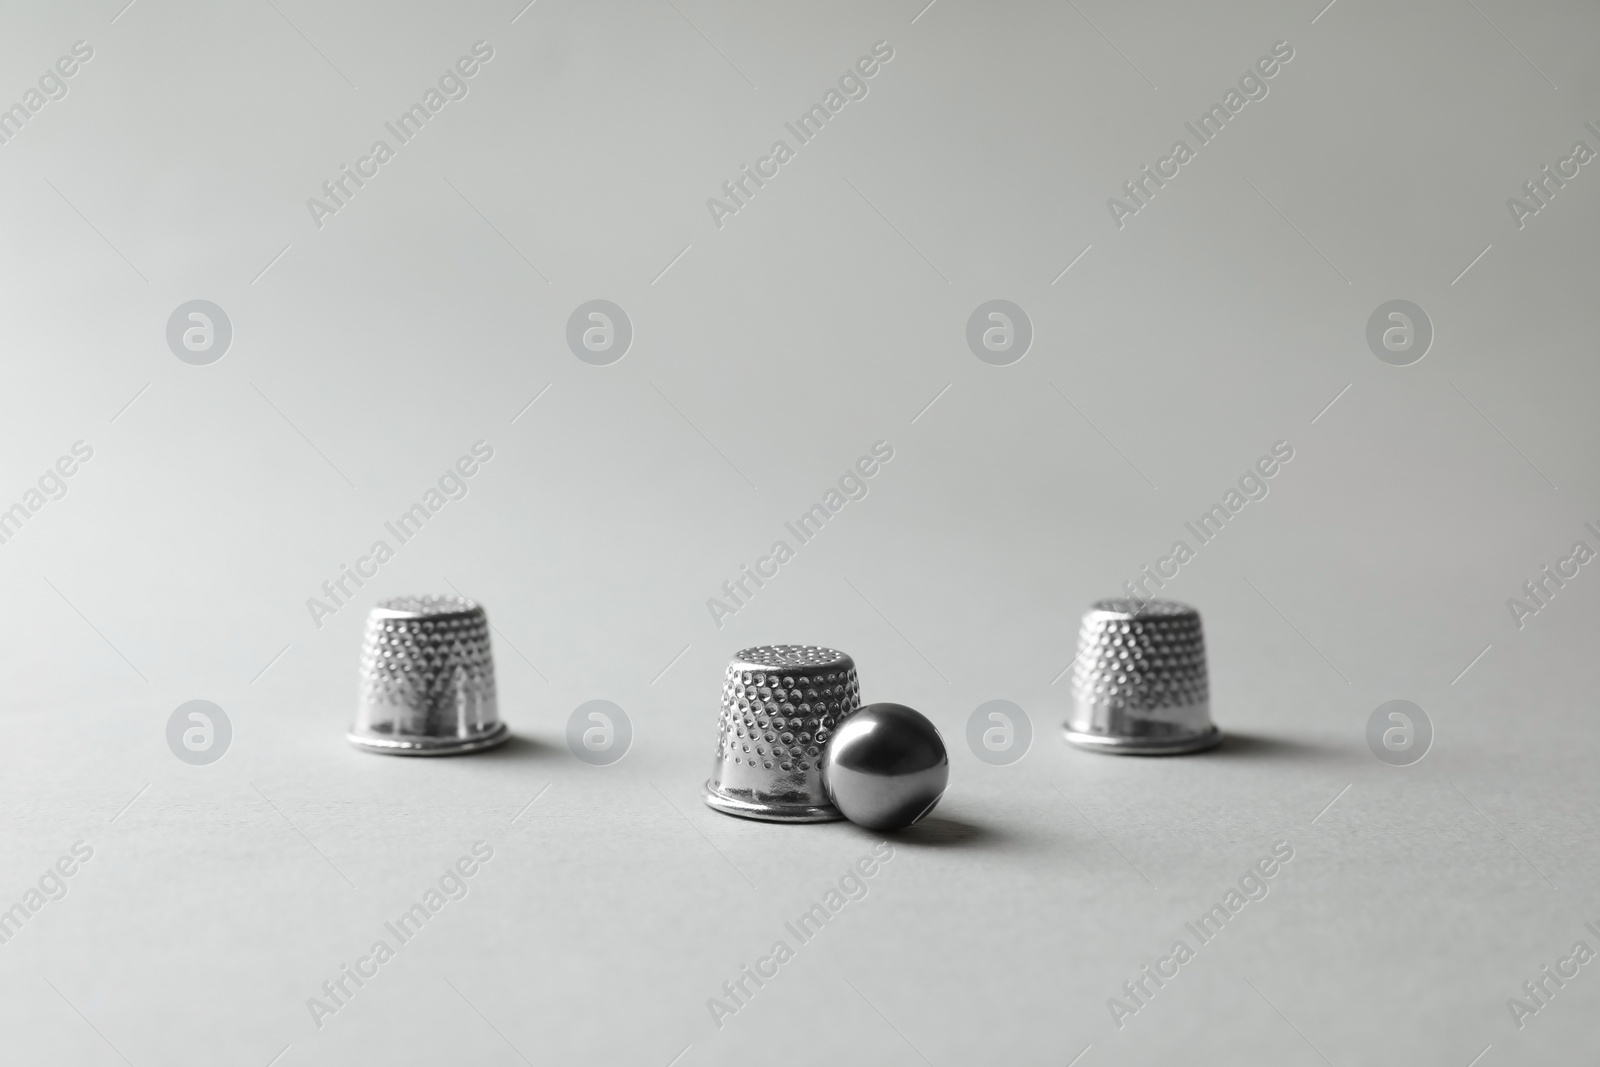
(768,355)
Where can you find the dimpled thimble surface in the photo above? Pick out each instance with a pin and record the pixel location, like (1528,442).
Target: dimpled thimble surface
(1139,684)
(427,679)
(780,704)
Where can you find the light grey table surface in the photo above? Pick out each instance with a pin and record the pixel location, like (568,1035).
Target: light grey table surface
(374,345)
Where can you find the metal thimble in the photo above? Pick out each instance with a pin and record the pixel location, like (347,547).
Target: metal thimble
(427,679)
(780,704)
(1139,684)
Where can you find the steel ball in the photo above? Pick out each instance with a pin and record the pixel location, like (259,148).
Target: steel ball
(885,766)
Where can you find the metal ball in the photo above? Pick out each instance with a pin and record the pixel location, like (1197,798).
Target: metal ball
(885,766)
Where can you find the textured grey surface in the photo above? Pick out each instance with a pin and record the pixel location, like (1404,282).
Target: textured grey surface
(767,358)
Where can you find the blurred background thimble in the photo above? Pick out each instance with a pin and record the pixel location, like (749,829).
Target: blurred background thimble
(1139,684)
(780,704)
(427,679)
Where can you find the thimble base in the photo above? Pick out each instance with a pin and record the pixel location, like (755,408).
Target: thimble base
(429,746)
(769,811)
(1144,746)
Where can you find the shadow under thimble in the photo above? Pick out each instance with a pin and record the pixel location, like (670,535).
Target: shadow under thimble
(1139,684)
(427,679)
(780,704)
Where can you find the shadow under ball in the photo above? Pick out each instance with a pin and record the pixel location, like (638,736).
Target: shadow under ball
(885,766)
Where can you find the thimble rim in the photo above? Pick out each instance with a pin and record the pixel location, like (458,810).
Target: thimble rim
(769,811)
(1124,745)
(409,745)
(1130,608)
(424,606)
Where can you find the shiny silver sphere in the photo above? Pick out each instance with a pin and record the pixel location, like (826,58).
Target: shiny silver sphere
(885,766)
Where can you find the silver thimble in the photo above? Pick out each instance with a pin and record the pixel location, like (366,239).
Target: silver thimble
(1139,684)
(427,679)
(780,704)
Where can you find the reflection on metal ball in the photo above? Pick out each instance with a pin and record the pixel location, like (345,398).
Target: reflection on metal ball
(885,766)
